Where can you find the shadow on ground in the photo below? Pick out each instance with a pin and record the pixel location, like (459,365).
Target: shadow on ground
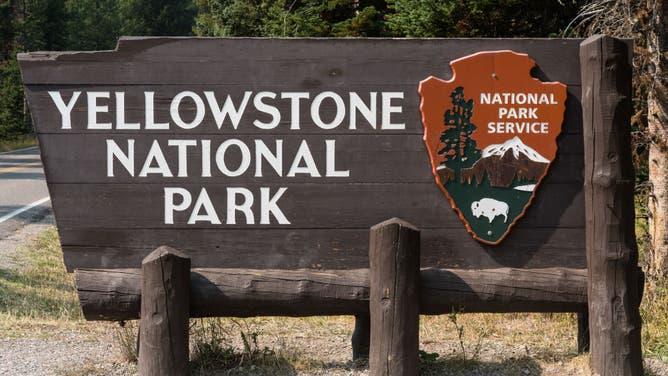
(441,367)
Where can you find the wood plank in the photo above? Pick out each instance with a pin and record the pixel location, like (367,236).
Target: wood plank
(114,294)
(305,205)
(311,62)
(612,253)
(319,248)
(393,158)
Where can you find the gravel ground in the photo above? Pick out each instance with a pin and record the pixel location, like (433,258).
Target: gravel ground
(68,353)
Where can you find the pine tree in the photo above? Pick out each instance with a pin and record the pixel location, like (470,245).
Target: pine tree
(157,17)
(93,24)
(459,150)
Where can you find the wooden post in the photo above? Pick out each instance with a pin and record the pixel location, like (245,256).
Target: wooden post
(361,337)
(612,254)
(394,257)
(165,308)
(583,332)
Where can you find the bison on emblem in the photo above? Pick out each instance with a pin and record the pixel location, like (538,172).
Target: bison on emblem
(490,208)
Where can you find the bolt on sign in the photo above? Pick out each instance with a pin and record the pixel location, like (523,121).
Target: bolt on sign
(271,153)
(491,132)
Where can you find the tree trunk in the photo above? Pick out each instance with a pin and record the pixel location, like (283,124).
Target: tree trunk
(657,124)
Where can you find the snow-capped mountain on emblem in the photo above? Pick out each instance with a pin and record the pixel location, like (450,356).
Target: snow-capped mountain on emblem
(506,163)
(517,146)
(491,133)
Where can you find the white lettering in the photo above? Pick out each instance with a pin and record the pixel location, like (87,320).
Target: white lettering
(94,109)
(170,207)
(155,154)
(294,106)
(388,110)
(330,146)
(267,109)
(228,109)
(120,113)
(244,207)
(340,110)
(199,110)
(203,201)
(65,109)
(303,154)
(182,146)
(127,160)
(369,113)
(245,157)
(150,113)
(274,160)
(268,206)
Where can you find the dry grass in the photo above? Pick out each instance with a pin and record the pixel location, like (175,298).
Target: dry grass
(39,293)
(654,311)
(213,349)
(125,337)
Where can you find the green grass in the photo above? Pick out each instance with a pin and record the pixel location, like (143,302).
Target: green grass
(18,142)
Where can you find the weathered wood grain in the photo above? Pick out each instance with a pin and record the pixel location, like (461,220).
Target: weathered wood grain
(612,254)
(320,248)
(164,319)
(312,62)
(114,294)
(394,302)
(305,205)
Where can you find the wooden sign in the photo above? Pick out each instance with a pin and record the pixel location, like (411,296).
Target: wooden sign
(272,153)
(491,132)
(249,158)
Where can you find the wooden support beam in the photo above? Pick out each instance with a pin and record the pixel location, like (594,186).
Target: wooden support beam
(361,336)
(394,302)
(114,294)
(163,326)
(583,332)
(612,254)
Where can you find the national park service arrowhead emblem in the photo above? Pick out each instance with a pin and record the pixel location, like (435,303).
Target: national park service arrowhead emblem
(491,133)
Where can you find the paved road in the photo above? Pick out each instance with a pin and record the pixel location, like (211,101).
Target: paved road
(24,197)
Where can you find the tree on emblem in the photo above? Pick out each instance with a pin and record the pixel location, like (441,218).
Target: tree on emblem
(459,149)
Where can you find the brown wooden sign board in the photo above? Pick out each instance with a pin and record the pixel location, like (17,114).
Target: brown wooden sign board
(251,158)
(146,124)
